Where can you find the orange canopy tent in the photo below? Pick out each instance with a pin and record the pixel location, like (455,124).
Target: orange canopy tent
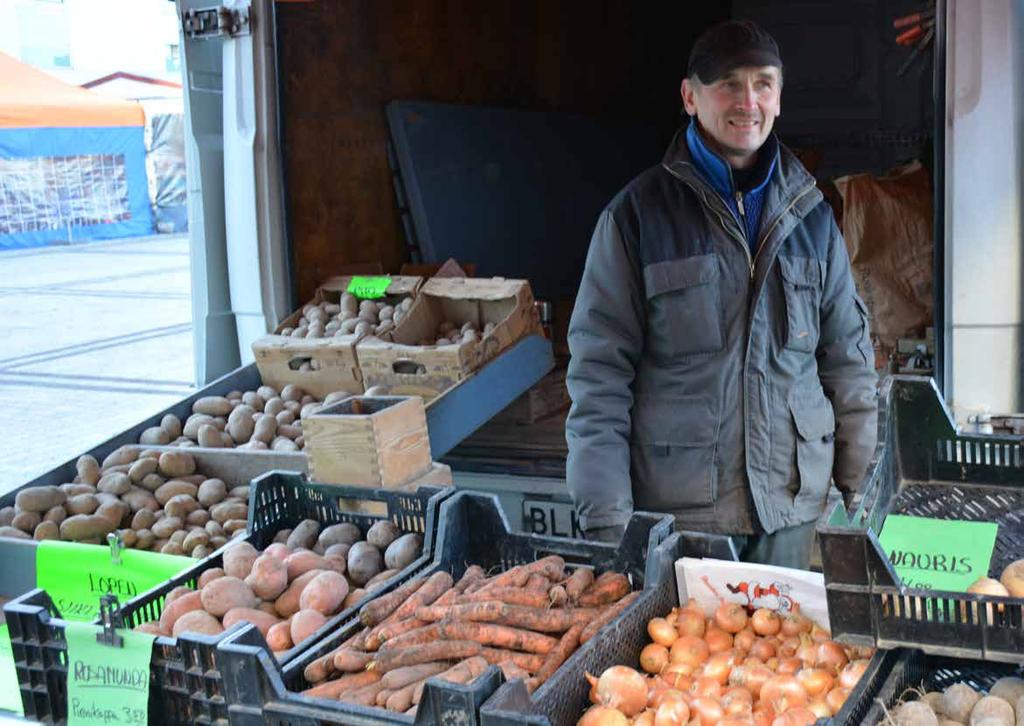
(30,98)
(72,162)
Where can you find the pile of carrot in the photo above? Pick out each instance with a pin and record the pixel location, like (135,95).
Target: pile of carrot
(527,621)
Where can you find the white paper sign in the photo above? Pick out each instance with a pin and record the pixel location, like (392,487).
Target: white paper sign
(712,582)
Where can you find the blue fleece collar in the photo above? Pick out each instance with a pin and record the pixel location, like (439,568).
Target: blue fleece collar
(718,172)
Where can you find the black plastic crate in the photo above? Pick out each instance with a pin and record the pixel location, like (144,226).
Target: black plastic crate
(186,674)
(472,529)
(565,696)
(916,670)
(923,466)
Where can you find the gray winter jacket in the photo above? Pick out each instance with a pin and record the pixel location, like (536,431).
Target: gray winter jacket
(722,389)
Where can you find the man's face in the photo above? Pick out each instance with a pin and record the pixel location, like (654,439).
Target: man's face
(736,111)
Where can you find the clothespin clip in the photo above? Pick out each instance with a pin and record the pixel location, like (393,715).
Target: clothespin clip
(917,51)
(108,636)
(116,545)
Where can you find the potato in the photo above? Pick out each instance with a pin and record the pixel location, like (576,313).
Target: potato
(119,456)
(211,491)
(279,637)
(172,425)
(325,593)
(992,708)
(364,561)
(268,578)
(141,469)
(241,423)
(88,469)
(146,538)
(181,505)
(198,518)
(214,528)
(209,576)
(288,603)
(283,443)
(1013,578)
(305,534)
(196,538)
(234,526)
(155,436)
(27,521)
(1009,689)
(9,531)
(217,541)
(262,620)
(167,526)
(173,488)
(175,593)
(229,510)
(197,621)
(338,550)
(305,623)
(139,499)
(238,560)
(226,593)
(345,533)
(291,392)
(128,537)
(177,463)
(353,597)
(382,534)
(403,551)
(253,401)
(282,536)
(73,490)
(151,628)
(143,519)
(7,515)
(114,512)
(46,530)
(266,392)
(381,577)
(152,482)
(39,499)
(190,432)
(114,483)
(274,406)
(172,548)
(278,550)
(915,713)
(302,561)
(184,603)
(209,437)
(55,514)
(265,429)
(212,406)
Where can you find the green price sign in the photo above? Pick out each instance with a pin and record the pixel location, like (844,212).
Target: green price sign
(938,554)
(107,684)
(75,576)
(368,288)
(10,696)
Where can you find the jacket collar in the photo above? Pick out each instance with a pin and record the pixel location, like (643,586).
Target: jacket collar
(719,173)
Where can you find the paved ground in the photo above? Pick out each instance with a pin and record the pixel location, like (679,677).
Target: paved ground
(96,337)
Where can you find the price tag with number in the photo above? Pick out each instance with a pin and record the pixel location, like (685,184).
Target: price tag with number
(76,575)
(107,684)
(938,554)
(368,288)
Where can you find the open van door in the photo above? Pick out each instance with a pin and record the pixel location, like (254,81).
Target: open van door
(241,281)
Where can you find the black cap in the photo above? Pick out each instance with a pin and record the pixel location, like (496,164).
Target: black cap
(729,45)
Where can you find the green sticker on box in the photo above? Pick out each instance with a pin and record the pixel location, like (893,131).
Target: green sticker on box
(368,288)
(75,575)
(107,684)
(10,695)
(938,554)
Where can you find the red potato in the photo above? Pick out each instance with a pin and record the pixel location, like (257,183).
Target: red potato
(288,603)
(305,623)
(268,578)
(325,593)
(197,621)
(279,637)
(186,603)
(262,620)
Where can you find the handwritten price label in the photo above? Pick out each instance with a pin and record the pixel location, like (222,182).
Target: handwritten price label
(75,576)
(938,554)
(107,685)
(368,288)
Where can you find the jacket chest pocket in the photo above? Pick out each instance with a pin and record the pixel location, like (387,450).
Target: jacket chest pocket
(801,284)
(684,306)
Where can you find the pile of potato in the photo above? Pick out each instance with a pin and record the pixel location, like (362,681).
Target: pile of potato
(349,316)
(261,419)
(289,589)
(449,333)
(960,705)
(153,500)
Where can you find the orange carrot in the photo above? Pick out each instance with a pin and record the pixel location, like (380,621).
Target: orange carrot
(579,580)
(427,633)
(529,662)
(536,619)
(557,596)
(552,567)
(474,574)
(515,577)
(510,595)
(349,660)
(402,677)
(463,672)
(477,611)
(511,671)
(401,699)
(388,660)
(606,616)
(537,583)
(606,591)
(332,689)
(365,696)
(501,636)
(379,608)
(318,670)
(391,629)
(569,643)
(435,586)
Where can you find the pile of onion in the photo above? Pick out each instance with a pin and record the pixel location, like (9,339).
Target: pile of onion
(730,669)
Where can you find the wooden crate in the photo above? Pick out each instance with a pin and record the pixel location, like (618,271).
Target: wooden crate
(371,441)
(546,398)
(408,368)
(280,357)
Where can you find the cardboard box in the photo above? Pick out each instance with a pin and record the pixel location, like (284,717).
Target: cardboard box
(408,368)
(371,441)
(331,361)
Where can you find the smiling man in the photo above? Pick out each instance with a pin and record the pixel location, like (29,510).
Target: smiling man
(721,366)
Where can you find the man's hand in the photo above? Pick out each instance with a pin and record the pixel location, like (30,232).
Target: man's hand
(611,535)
